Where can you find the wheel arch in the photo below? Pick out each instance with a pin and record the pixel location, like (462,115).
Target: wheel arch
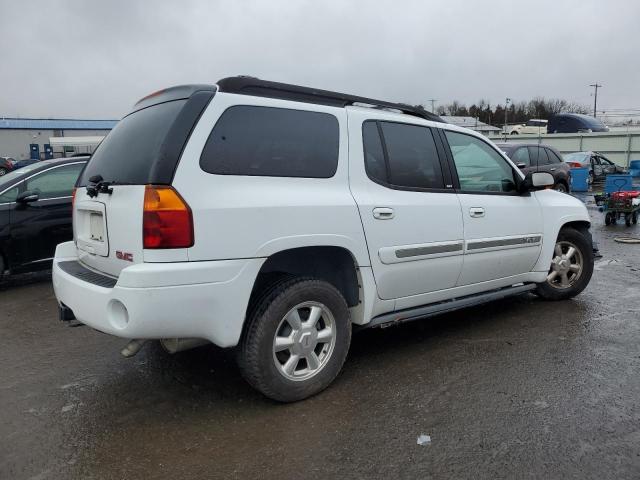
(333,264)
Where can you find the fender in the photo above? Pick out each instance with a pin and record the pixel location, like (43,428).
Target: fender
(558,209)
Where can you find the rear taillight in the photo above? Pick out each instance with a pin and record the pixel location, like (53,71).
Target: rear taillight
(167,221)
(575,164)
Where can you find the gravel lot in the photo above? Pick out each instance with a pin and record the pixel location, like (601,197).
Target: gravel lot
(515,389)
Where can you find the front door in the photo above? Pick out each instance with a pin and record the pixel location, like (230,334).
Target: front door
(38,227)
(412,220)
(502,229)
(34,151)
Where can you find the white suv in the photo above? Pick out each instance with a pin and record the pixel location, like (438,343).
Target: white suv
(277,219)
(532,127)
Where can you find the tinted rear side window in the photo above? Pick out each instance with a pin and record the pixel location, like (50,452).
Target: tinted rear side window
(411,155)
(272,142)
(130,150)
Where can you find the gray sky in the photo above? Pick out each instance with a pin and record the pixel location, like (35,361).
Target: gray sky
(94,59)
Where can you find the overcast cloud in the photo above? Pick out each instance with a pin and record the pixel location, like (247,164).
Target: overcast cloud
(94,59)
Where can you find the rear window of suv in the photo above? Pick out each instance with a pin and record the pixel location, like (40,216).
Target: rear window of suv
(129,151)
(272,142)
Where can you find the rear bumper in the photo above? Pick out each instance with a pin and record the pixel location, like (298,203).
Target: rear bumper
(162,300)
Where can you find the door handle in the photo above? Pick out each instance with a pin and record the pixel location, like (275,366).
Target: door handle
(383,213)
(552,169)
(476,212)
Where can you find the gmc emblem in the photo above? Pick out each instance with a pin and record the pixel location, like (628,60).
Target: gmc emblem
(126,256)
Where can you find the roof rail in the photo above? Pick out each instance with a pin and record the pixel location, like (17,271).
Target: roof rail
(244,85)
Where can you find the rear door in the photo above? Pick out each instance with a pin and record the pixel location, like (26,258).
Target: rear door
(37,227)
(410,213)
(502,229)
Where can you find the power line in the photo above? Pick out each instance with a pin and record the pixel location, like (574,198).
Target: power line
(595,99)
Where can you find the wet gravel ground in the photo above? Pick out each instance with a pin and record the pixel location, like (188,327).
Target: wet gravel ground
(515,389)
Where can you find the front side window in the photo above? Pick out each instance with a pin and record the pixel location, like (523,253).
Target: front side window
(272,142)
(408,158)
(480,168)
(521,157)
(54,183)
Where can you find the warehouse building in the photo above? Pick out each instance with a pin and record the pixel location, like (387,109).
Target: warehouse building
(30,137)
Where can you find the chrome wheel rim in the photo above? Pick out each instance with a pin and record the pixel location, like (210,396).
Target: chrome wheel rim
(304,341)
(2,172)
(566,266)
(560,188)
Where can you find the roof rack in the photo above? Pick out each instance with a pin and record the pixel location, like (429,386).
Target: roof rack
(244,85)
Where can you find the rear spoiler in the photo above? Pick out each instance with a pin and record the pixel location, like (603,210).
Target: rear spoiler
(179,92)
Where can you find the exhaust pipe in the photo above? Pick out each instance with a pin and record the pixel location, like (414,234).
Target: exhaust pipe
(132,348)
(175,345)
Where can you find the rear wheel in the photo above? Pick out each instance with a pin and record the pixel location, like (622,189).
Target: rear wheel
(296,340)
(608,219)
(627,219)
(560,187)
(3,171)
(571,266)
(634,217)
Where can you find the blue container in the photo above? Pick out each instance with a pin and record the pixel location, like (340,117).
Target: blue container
(634,164)
(579,179)
(618,183)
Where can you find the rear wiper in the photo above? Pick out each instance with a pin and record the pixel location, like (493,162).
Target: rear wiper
(99,186)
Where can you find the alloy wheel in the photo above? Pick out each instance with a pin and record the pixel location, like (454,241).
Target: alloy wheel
(566,266)
(304,341)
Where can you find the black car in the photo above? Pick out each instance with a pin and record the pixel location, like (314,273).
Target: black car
(6,165)
(533,157)
(575,123)
(35,213)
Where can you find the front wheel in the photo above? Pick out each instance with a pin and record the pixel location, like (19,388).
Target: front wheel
(296,339)
(571,266)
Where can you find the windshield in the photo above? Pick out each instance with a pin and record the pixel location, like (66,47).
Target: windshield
(127,155)
(576,157)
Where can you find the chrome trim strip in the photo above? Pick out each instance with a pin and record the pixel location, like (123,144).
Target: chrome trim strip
(528,241)
(428,250)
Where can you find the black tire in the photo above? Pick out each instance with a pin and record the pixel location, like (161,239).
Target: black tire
(591,178)
(627,219)
(634,217)
(583,244)
(256,355)
(607,219)
(560,187)
(514,133)
(2,267)
(3,172)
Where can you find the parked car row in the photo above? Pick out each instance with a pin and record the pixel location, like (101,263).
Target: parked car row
(35,213)
(9,164)
(560,123)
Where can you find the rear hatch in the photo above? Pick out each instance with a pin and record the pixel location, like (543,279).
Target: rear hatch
(142,149)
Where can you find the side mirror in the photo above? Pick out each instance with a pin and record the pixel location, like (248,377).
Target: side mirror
(536,181)
(28,197)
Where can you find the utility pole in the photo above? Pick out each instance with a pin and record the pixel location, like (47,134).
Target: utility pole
(506,109)
(433,104)
(595,97)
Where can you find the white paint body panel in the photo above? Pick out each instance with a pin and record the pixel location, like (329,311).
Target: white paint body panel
(239,221)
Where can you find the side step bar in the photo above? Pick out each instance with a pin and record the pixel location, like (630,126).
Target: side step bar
(417,313)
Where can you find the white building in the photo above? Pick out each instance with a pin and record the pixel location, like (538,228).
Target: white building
(29,137)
